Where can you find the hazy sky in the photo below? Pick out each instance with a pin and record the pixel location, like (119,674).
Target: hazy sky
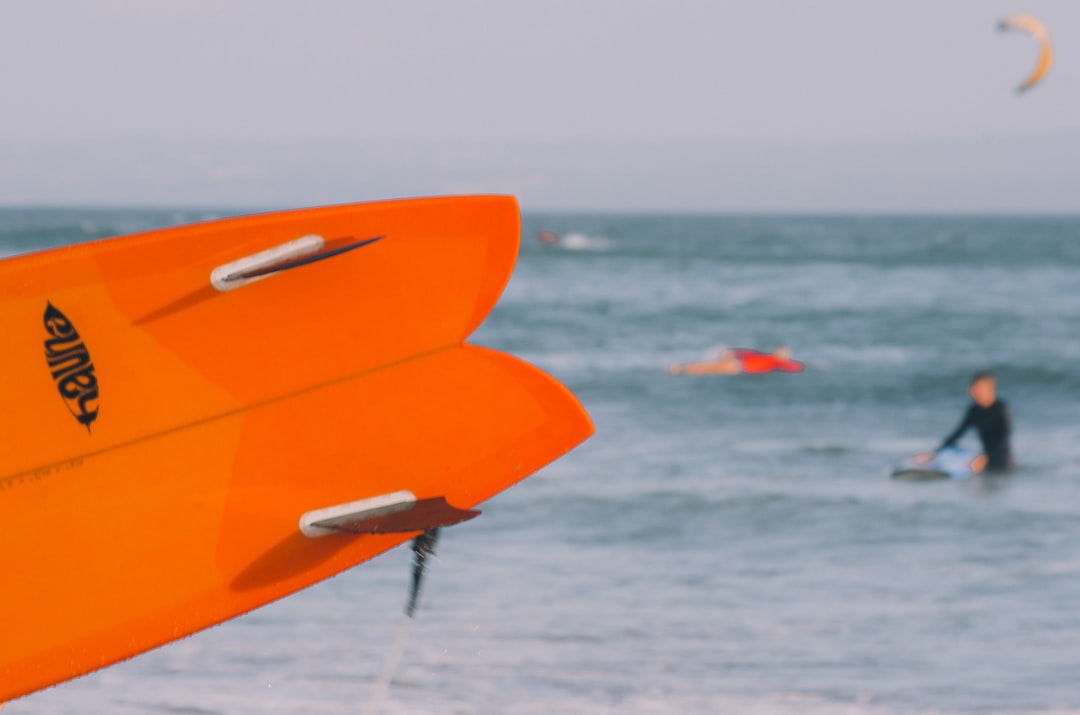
(612,104)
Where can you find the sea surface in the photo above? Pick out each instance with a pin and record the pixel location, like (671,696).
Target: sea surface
(723,544)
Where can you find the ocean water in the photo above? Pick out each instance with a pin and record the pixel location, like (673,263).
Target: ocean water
(723,544)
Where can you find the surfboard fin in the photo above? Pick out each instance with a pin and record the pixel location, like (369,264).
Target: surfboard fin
(394,513)
(293,254)
(243,271)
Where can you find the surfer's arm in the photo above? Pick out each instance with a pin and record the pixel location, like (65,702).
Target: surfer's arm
(958,432)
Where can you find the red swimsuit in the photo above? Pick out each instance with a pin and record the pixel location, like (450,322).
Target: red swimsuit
(754,362)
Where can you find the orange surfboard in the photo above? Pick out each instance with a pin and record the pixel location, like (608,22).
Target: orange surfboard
(200,420)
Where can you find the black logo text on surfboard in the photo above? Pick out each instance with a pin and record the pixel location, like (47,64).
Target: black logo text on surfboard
(70,366)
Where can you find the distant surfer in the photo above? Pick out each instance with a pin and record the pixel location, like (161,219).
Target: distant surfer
(548,238)
(733,361)
(992,419)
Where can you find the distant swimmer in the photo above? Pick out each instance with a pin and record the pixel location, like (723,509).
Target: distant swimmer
(733,361)
(992,419)
(548,238)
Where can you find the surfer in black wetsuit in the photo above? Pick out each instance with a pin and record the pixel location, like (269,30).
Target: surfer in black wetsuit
(992,420)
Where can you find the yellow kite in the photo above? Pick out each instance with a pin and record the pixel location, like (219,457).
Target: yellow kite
(1029,24)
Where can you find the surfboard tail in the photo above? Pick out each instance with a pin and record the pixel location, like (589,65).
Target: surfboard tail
(338,374)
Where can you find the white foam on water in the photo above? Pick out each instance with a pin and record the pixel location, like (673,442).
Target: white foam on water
(583,242)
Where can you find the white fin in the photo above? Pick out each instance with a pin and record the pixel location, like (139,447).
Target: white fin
(227,277)
(321,522)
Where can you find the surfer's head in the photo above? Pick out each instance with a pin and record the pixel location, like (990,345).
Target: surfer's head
(983,388)
(782,352)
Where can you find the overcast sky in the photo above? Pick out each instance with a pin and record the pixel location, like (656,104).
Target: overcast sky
(832,105)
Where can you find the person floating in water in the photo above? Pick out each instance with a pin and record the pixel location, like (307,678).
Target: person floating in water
(992,419)
(548,238)
(736,360)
